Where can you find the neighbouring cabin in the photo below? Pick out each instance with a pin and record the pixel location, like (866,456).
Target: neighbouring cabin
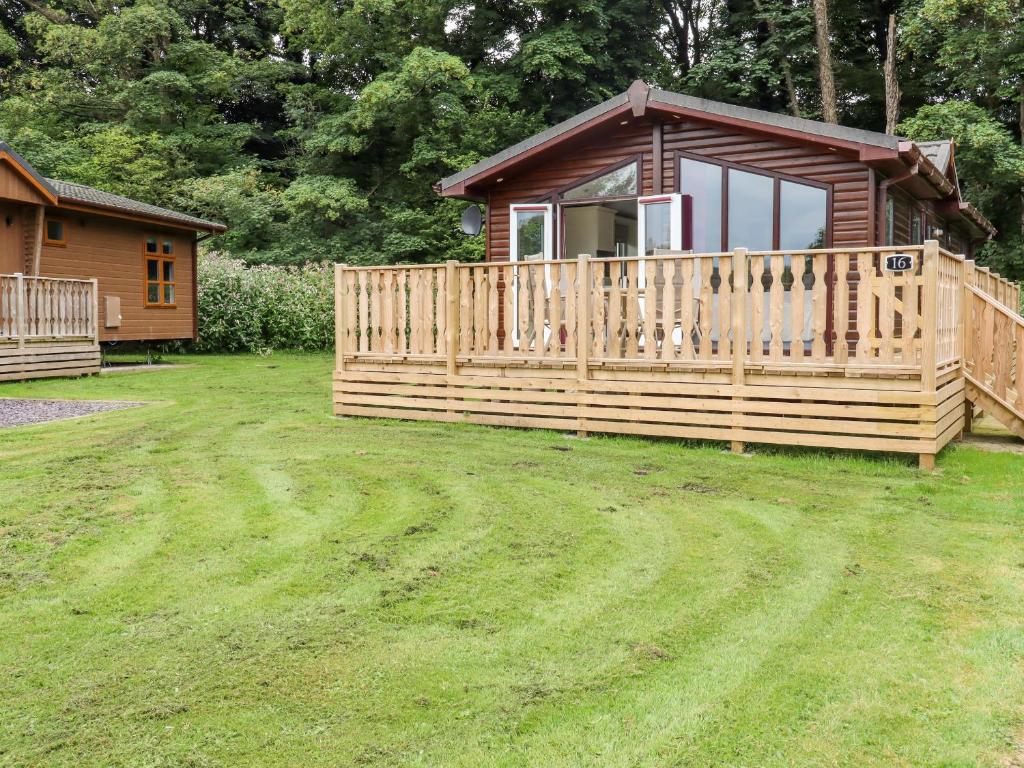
(665,265)
(80,267)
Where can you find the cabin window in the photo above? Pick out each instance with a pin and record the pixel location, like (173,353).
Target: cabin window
(55,232)
(761,211)
(751,215)
(530,232)
(620,182)
(803,216)
(915,228)
(160,273)
(659,223)
(703,183)
(890,221)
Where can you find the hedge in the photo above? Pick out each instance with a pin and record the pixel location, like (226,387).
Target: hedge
(246,308)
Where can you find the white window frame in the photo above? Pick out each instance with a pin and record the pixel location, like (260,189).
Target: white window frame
(513,230)
(675,232)
(513,252)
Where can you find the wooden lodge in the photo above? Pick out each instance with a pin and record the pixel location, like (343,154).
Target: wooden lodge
(80,267)
(665,265)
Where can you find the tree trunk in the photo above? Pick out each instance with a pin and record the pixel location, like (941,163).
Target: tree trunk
(787,71)
(1020,117)
(892,86)
(829,112)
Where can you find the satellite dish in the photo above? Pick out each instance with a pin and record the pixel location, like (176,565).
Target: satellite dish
(472,220)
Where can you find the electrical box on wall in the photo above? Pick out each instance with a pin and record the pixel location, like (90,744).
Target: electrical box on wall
(112,308)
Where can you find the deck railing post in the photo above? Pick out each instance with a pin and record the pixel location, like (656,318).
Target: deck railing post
(452,319)
(739,331)
(340,332)
(966,325)
(21,304)
(929,334)
(966,335)
(95,310)
(929,314)
(583,282)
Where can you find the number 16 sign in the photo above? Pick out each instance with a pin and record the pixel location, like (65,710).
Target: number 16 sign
(898,262)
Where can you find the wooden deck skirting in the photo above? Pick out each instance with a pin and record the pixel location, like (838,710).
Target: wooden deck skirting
(850,355)
(48,327)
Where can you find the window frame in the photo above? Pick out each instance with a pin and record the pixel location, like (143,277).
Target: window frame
(777,178)
(161,259)
(559,192)
(62,243)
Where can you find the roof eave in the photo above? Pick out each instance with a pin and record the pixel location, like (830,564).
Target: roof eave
(24,169)
(213,227)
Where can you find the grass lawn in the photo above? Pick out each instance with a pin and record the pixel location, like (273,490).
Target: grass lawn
(229,576)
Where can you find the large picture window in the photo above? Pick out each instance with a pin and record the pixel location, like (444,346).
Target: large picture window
(751,210)
(761,211)
(803,216)
(703,183)
(158,254)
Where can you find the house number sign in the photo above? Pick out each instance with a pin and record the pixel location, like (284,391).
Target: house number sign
(899,262)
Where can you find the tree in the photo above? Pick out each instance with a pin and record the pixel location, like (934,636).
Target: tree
(990,164)
(829,111)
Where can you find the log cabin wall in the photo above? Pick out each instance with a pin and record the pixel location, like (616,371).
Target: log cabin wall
(111,250)
(850,179)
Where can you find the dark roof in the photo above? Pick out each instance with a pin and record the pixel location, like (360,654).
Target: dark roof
(66,191)
(79,193)
(800,124)
(787,122)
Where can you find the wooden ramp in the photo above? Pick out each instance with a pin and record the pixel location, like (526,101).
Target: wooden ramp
(994,359)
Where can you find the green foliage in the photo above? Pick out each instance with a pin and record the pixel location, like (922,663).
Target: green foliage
(316,129)
(990,164)
(260,308)
(988,159)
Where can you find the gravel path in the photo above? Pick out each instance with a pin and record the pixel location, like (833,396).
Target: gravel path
(15,412)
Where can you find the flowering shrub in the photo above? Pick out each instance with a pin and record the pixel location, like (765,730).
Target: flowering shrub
(246,308)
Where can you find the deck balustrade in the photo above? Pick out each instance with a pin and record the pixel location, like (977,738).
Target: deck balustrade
(47,308)
(48,327)
(814,347)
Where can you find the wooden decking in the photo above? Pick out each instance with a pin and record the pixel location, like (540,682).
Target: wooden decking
(833,350)
(48,327)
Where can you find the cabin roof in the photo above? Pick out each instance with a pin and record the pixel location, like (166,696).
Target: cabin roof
(60,192)
(670,101)
(883,150)
(80,193)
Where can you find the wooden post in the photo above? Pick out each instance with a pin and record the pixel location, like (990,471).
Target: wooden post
(96,309)
(739,331)
(929,338)
(965,337)
(965,329)
(929,313)
(452,319)
(340,331)
(37,246)
(583,286)
(21,304)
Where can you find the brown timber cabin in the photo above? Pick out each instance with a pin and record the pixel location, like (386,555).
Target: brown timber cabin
(79,267)
(726,176)
(671,266)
